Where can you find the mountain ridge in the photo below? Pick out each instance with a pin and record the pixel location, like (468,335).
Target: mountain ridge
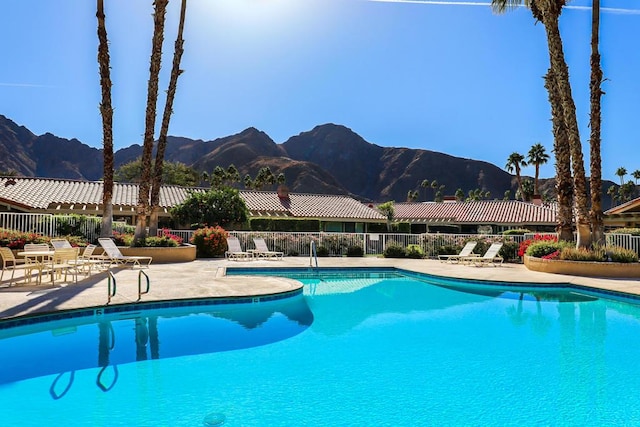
(328,159)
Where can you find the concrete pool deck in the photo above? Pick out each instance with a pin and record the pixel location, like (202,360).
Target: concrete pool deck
(206,279)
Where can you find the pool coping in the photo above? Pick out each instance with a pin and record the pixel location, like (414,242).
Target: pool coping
(207,280)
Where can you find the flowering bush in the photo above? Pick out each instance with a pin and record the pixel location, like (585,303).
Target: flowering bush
(17,239)
(210,241)
(122,239)
(552,255)
(537,238)
(168,235)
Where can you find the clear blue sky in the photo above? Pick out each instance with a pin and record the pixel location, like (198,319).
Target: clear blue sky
(441,76)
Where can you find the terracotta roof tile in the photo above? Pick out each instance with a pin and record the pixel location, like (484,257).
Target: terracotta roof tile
(46,193)
(478,212)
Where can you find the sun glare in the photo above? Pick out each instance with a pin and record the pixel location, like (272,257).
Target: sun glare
(249,15)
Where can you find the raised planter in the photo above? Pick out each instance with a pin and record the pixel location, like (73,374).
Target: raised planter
(184,253)
(583,268)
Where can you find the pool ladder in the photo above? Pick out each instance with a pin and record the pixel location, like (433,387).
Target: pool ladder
(312,254)
(112,286)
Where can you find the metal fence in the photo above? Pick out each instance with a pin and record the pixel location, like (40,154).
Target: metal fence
(56,225)
(291,243)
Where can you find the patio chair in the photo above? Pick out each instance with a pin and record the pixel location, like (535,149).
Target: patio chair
(464,253)
(64,260)
(60,243)
(262,251)
(490,257)
(115,257)
(87,260)
(10,262)
(235,252)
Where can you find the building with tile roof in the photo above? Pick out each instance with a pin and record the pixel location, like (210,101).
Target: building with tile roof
(626,215)
(63,196)
(486,216)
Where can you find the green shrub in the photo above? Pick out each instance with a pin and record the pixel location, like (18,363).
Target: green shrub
(542,248)
(632,231)
(355,251)
(394,250)
(509,250)
(582,254)
(293,252)
(618,254)
(210,241)
(322,251)
(157,242)
(122,239)
(448,250)
(516,232)
(415,252)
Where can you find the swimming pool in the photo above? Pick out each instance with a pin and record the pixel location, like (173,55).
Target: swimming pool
(360,347)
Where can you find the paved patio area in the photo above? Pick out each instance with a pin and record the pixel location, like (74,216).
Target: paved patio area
(206,279)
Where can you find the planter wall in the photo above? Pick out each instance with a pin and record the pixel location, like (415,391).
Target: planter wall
(583,268)
(185,253)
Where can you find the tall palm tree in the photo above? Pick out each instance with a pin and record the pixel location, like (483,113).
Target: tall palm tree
(621,172)
(164,128)
(537,156)
(425,184)
(106,111)
(548,12)
(514,163)
(636,175)
(564,181)
(142,208)
(597,217)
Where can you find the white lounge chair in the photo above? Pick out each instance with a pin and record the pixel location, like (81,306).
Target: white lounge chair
(490,257)
(115,257)
(235,252)
(465,252)
(262,251)
(60,243)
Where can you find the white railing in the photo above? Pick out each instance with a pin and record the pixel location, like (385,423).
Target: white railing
(291,243)
(56,225)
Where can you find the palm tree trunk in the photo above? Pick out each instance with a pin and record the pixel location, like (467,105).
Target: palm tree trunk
(106,111)
(164,128)
(564,182)
(519,181)
(597,218)
(561,72)
(142,209)
(535,182)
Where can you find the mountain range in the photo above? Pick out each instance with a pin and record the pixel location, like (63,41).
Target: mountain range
(329,159)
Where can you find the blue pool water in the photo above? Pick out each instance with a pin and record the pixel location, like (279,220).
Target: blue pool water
(359,348)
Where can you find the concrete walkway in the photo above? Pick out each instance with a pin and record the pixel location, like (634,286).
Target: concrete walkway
(206,279)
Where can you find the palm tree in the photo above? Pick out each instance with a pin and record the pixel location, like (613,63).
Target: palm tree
(564,182)
(507,195)
(621,172)
(537,156)
(425,184)
(164,128)
(597,217)
(636,175)
(514,162)
(434,186)
(142,208)
(548,12)
(612,191)
(106,111)
(459,195)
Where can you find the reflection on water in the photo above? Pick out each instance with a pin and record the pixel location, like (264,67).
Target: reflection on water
(136,337)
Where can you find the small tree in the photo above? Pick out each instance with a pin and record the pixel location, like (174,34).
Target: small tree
(215,207)
(387,209)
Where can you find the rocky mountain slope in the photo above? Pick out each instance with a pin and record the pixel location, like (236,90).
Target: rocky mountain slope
(328,159)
